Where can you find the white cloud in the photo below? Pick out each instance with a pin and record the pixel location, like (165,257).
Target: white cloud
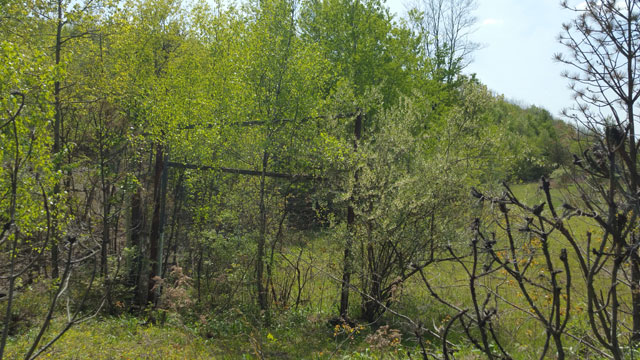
(492,21)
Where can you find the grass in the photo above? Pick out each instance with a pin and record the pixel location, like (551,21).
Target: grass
(119,338)
(304,332)
(528,333)
(294,335)
(522,335)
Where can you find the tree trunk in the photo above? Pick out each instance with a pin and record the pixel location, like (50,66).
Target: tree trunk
(137,231)
(635,292)
(633,170)
(372,303)
(57,141)
(172,242)
(351,218)
(155,240)
(261,288)
(105,236)
(106,210)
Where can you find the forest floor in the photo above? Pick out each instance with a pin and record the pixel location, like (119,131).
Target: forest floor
(130,338)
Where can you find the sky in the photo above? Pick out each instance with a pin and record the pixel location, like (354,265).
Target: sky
(518,39)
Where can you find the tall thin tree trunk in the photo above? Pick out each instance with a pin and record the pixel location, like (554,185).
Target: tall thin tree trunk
(106,207)
(261,288)
(136,231)
(633,170)
(10,227)
(106,237)
(635,295)
(155,241)
(351,218)
(57,141)
(172,242)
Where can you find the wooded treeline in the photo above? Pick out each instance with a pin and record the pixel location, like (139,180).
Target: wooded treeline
(147,142)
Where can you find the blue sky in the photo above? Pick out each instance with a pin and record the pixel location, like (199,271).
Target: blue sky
(519,40)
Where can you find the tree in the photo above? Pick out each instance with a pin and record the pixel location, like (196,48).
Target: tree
(603,44)
(146,55)
(56,24)
(444,27)
(536,136)
(364,45)
(401,220)
(28,181)
(369,52)
(281,81)
(23,107)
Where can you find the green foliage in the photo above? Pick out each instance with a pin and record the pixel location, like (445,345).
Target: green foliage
(543,142)
(363,43)
(253,106)
(25,80)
